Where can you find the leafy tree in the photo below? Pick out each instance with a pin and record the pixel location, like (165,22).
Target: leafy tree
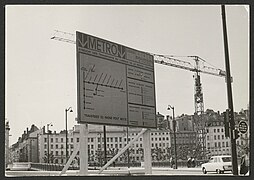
(51,157)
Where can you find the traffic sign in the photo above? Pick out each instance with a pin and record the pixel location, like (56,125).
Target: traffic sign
(243,127)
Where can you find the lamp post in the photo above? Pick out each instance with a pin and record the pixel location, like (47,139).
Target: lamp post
(50,124)
(174,130)
(66,132)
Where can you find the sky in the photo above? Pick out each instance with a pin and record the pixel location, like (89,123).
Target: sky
(40,79)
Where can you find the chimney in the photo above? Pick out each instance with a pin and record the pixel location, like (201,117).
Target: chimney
(27,130)
(43,129)
(54,132)
(218,112)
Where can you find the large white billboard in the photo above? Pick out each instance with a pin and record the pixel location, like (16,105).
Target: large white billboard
(115,84)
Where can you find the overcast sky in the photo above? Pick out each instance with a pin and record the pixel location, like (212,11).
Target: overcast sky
(41,73)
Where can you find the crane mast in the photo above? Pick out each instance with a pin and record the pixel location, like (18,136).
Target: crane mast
(198,67)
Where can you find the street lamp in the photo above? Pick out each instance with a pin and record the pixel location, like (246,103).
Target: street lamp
(66,132)
(50,124)
(174,130)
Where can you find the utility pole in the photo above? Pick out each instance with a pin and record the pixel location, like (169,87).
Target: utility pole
(229,94)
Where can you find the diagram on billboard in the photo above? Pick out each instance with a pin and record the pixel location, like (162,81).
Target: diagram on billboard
(115,84)
(103,83)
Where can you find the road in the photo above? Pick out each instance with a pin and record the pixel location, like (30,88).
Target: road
(162,171)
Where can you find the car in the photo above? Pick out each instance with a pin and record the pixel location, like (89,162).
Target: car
(218,164)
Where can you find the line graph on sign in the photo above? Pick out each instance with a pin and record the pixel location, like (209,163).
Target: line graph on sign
(100,79)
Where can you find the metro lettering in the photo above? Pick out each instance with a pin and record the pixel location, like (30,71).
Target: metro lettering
(100,45)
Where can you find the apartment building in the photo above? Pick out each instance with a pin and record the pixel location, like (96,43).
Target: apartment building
(216,142)
(26,148)
(116,139)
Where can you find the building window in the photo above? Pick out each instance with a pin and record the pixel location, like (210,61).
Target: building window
(91,146)
(159,139)
(166,138)
(214,137)
(56,139)
(99,140)
(221,129)
(72,140)
(45,139)
(115,139)
(218,130)
(56,153)
(111,145)
(214,130)
(51,146)
(61,139)
(152,139)
(120,145)
(107,139)
(111,139)
(136,145)
(208,145)
(222,136)
(116,146)
(218,144)
(215,144)
(88,139)
(140,139)
(120,139)
(91,139)
(56,146)
(223,144)
(226,144)
(45,146)
(51,139)
(61,152)
(218,137)
(77,139)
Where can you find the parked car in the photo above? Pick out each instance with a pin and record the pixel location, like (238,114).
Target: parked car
(218,164)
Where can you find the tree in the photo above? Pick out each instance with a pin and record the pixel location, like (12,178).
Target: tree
(51,158)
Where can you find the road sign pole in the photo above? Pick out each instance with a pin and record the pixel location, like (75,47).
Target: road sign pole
(229,93)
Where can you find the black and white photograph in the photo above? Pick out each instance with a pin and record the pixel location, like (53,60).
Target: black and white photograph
(127,90)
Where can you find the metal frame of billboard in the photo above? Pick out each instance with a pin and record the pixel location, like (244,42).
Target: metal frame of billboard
(116,84)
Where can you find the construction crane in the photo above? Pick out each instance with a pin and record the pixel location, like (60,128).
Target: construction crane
(175,61)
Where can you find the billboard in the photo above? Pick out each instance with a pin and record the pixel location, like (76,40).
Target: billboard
(115,84)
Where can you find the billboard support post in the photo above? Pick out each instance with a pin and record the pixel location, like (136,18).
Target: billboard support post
(147,152)
(122,150)
(83,149)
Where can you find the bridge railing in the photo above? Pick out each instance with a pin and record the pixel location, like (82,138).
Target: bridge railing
(50,167)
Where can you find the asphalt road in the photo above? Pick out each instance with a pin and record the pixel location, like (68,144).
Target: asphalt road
(122,172)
